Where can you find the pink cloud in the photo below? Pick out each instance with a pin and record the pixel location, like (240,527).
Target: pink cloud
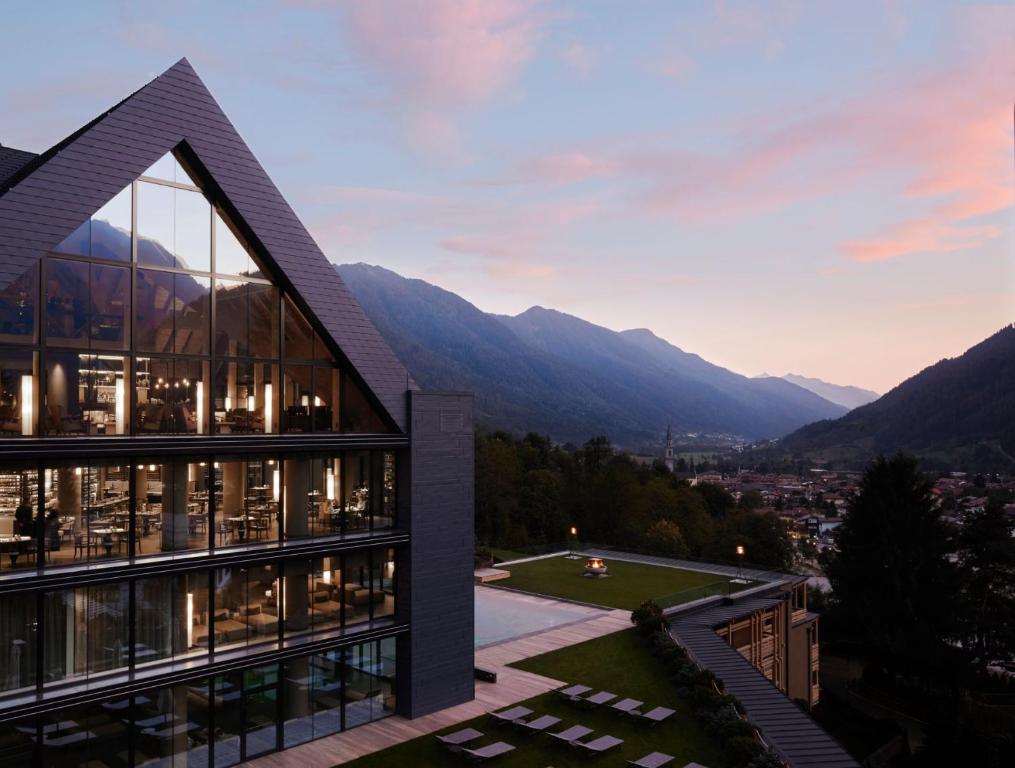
(564,168)
(443,57)
(578,57)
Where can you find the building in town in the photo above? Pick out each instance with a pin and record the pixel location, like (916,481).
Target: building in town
(230,522)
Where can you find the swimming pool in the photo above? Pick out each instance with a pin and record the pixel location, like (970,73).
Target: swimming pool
(502,615)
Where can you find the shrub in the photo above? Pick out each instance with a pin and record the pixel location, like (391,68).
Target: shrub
(649,619)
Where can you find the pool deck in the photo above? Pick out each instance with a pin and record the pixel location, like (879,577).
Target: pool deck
(513,685)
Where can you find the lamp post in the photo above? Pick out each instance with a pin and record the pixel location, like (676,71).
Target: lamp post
(574,540)
(740,563)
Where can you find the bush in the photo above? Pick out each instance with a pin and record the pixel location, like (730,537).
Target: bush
(649,619)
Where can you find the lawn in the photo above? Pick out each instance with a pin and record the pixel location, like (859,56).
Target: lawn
(627,586)
(617,662)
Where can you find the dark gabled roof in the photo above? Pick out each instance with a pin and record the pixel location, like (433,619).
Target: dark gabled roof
(798,739)
(48,196)
(11,161)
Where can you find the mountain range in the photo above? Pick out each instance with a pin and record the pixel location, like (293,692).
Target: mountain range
(957,412)
(847,396)
(550,372)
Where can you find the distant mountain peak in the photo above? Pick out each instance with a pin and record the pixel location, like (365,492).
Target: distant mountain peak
(845,395)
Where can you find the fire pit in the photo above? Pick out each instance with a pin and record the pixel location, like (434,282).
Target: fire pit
(595,567)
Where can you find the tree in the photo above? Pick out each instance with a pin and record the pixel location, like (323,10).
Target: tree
(987,562)
(894,585)
(663,537)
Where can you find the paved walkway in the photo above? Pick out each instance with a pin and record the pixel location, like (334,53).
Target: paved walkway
(513,685)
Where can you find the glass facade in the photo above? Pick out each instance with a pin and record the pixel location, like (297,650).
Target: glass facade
(120,566)
(220,720)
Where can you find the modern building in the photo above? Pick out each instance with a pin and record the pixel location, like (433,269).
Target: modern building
(230,522)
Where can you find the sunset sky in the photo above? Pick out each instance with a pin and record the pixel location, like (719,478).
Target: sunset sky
(808,187)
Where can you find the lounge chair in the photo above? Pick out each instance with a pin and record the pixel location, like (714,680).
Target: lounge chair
(573,733)
(490,750)
(598,746)
(653,760)
(573,691)
(454,741)
(628,706)
(599,698)
(539,724)
(657,715)
(510,715)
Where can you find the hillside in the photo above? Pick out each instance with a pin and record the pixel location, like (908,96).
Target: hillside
(549,372)
(846,396)
(958,412)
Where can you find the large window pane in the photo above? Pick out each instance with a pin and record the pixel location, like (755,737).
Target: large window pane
(85,631)
(156,237)
(110,307)
(19,298)
(298,336)
(169,617)
(231,255)
(326,414)
(167,168)
(231,312)
(193,314)
(172,396)
(356,592)
(85,736)
(248,506)
(19,522)
(386,517)
(193,231)
(172,726)
(111,228)
(296,398)
(370,672)
(19,392)
(245,397)
(263,325)
(172,507)
(356,490)
(153,312)
(67,300)
(87,513)
(78,242)
(85,394)
(357,413)
(18,636)
(246,606)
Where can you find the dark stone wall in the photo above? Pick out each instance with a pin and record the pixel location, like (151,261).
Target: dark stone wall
(436,657)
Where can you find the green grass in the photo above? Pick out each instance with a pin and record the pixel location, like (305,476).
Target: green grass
(618,662)
(627,586)
(501,555)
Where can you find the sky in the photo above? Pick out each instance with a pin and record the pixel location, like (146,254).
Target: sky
(820,188)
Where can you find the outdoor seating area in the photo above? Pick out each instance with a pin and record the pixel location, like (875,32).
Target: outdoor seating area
(579,737)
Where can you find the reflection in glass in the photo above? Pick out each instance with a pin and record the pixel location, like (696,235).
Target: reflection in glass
(18,636)
(78,242)
(67,300)
(246,605)
(231,318)
(156,229)
(231,256)
(172,726)
(192,320)
(18,300)
(85,735)
(153,311)
(110,307)
(85,394)
(298,336)
(193,231)
(326,382)
(85,631)
(263,324)
(167,168)
(170,613)
(358,414)
(111,228)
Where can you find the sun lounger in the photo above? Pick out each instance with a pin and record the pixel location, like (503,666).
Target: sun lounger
(510,715)
(657,715)
(454,741)
(539,724)
(573,691)
(599,698)
(490,750)
(573,733)
(598,746)
(628,706)
(653,760)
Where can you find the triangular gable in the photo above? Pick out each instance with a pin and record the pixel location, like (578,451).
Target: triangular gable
(67,186)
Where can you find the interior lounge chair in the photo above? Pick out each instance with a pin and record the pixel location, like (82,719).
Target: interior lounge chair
(652,760)
(657,715)
(573,733)
(628,706)
(573,691)
(598,746)
(602,697)
(454,741)
(258,620)
(490,750)
(323,608)
(539,724)
(510,715)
